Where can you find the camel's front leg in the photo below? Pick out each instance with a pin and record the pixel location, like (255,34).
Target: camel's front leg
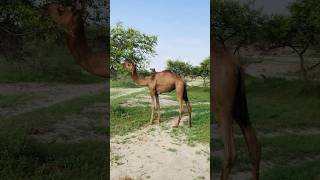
(158,108)
(226,130)
(152,108)
(254,148)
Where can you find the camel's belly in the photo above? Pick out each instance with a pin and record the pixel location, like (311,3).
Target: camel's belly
(163,89)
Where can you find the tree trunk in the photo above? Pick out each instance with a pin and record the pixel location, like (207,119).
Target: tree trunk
(304,74)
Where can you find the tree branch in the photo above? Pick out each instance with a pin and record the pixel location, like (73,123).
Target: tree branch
(313,66)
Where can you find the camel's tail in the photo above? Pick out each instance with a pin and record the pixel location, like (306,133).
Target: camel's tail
(185,94)
(241,114)
(185,98)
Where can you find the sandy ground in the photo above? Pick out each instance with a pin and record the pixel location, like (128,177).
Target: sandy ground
(153,153)
(119,92)
(271,69)
(197,82)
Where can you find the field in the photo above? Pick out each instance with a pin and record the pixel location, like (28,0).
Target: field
(140,150)
(286,116)
(53,131)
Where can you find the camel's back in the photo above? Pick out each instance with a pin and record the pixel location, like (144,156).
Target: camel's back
(166,80)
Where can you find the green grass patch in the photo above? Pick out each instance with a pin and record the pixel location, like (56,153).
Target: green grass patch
(125,119)
(200,130)
(49,63)
(128,119)
(277,103)
(195,94)
(282,149)
(302,170)
(125,81)
(11,100)
(23,157)
(199,100)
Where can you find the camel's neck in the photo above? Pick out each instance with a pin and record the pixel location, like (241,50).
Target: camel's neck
(137,79)
(218,49)
(78,46)
(94,63)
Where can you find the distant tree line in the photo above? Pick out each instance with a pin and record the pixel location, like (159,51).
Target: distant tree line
(239,25)
(185,69)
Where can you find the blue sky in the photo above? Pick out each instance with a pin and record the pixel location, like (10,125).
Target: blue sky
(182,26)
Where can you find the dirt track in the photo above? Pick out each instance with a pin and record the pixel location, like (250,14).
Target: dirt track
(43,95)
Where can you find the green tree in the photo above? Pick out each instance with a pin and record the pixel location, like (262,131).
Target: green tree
(299,30)
(178,66)
(28,36)
(235,24)
(195,72)
(204,70)
(24,20)
(128,44)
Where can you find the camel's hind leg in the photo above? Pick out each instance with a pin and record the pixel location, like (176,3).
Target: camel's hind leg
(158,108)
(253,148)
(226,130)
(152,107)
(179,96)
(189,111)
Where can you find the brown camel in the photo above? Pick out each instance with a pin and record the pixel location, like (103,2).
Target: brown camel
(70,18)
(229,103)
(160,82)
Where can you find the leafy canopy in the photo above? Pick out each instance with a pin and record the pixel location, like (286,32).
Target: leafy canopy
(235,24)
(128,44)
(180,67)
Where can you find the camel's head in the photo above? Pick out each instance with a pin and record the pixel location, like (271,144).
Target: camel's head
(129,66)
(66,16)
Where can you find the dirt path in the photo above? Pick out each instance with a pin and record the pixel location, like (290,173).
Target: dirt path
(153,153)
(272,69)
(285,67)
(44,95)
(119,92)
